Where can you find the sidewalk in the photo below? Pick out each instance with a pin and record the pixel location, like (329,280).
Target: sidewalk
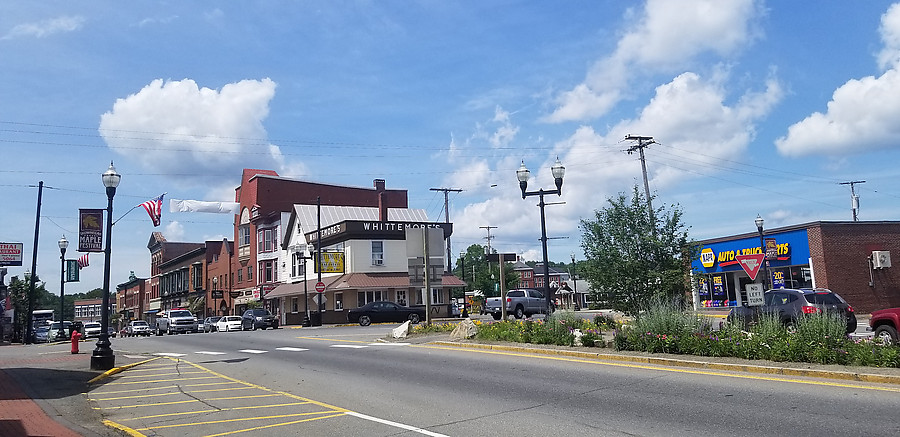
(42,391)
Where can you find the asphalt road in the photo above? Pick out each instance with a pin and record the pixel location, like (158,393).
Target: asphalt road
(350,383)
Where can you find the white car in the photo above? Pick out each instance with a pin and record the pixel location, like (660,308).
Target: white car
(137,327)
(229,323)
(91,329)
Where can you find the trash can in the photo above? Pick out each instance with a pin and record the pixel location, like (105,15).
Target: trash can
(315,319)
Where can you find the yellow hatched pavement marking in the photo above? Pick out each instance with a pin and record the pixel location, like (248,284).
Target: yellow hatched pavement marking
(242,419)
(277,424)
(251,407)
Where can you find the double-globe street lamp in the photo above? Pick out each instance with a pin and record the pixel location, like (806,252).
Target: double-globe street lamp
(762,247)
(103,357)
(523,174)
(63,244)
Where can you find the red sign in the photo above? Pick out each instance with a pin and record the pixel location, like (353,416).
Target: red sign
(751,263)
(320,286)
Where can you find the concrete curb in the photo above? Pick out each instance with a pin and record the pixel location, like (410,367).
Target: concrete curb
(746,368)
(115,370)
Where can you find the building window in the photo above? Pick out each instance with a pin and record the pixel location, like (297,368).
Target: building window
(240,275)
(244,235)
(437,297)
(377,253)
(338,301)
(401,297)
(259,241)
(295,305)
(364,297)
(249,273)
(215,258)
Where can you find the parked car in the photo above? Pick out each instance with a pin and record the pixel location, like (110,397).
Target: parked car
(520,303)
(54,330)
(229,323)
(91,329)
(175,321)
(137,327)
(384,311)
(42,334)
(209,324)
(257,318)
(791,304)
(885,323)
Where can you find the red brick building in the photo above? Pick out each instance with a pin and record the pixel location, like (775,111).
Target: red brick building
(131,299)
(850,258)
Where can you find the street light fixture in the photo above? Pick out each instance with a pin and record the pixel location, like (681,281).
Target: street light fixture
(63,244)
(762,247)
(523,174)
(103,357)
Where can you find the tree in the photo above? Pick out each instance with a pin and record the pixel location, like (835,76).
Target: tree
(630,259)
(476,259)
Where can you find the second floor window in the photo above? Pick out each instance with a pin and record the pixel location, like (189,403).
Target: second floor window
(377,253)
(265,240)
(244,235)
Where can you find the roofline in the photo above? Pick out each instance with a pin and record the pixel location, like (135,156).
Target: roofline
(807,225)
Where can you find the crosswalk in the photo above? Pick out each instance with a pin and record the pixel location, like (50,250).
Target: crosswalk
(281,349)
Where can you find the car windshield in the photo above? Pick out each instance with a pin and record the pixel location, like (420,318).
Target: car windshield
(92,325)
(141,323)
(823,299)
(180,314)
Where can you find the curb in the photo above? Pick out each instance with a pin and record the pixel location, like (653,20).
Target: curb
(746,368)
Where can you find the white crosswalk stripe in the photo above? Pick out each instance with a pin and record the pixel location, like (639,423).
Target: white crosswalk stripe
(209,353)
(252,351)
(350,346)
(291,349)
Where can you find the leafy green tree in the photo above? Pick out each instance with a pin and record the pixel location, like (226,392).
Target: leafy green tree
(631,259)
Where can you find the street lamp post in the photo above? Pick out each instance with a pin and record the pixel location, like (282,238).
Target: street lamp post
(63,244)
(762,247)
(523,174)
(103,357)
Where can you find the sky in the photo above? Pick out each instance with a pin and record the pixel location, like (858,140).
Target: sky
(755,108)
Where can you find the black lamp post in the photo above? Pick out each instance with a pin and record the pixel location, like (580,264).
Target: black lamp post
(523,174)
(762,246)
(63,244)
(103,357)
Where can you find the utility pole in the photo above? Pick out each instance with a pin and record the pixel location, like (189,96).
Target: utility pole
(854,199)
(641,143)
(447,218)
(489,237)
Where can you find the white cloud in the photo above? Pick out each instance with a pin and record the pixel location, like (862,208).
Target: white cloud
(506,132)
(46,28)
(174,231)
(184,131)
(666,36)
(862,114)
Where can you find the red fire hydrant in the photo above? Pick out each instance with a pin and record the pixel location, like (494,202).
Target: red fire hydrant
(76,336)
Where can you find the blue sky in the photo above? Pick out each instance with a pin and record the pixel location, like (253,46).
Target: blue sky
(757,108)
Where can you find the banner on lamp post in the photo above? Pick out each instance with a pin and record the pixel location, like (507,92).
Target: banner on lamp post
(72,270)
(90,230)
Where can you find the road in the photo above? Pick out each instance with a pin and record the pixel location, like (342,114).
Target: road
(344,381)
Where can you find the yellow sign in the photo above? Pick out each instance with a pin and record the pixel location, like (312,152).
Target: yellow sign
(332,262)
(707,257)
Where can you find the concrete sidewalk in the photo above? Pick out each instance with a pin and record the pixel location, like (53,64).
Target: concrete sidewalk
(42,391)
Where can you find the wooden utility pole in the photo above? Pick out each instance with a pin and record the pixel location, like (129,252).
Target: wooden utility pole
(447,218)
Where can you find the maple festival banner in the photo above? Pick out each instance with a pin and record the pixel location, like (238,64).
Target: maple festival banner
(90,230)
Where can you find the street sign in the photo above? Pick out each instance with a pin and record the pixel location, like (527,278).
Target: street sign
(751,263)
(320,286)
(72,270)
(771,248)
(508,257)
(755,295)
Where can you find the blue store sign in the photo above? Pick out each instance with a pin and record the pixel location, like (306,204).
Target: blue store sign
(792,248)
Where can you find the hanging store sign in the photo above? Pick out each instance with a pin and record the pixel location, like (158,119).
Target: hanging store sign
(11,254)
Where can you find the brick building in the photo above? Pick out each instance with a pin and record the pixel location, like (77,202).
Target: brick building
(850,258)
(131,299)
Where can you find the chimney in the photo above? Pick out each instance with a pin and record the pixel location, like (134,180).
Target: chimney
(382,205)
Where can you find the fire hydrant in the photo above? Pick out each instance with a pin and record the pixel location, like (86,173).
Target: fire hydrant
(76,336)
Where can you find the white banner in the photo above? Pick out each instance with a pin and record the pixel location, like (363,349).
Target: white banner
(178,205)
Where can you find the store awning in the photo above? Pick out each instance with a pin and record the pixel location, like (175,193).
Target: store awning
(358,281)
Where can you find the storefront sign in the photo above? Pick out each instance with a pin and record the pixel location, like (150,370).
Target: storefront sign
(789,248)
(778,279)
(707,257)
(11,254)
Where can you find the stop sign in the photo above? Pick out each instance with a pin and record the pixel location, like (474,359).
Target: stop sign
(320,286)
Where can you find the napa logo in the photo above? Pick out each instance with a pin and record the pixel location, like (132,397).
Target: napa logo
(707,257)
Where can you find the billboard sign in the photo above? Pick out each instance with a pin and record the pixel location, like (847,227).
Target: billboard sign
(11,254)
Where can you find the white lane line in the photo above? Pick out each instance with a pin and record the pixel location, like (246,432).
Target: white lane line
(388,344)
(209,353)
(252,351)
(395,424)
(351,346)
(169,354)
(291,349)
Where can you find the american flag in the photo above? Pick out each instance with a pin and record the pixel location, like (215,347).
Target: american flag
(83,261)
(154,208)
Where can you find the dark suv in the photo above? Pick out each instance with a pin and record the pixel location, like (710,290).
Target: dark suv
(791,304)
(258,318)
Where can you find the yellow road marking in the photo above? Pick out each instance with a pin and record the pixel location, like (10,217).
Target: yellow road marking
(666,369)
(124,428)
(158,374)
(277,424)
(240,419)
(149,405)
(215,410)
(159,380)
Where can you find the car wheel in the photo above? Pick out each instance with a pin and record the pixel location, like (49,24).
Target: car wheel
(365,321)
(275,325)
(887,334)
(414,318)
(519,312)
(158,331)
(496,316)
